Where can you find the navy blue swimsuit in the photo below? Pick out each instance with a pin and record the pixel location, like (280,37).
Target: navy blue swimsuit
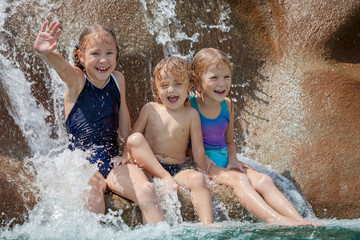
(174,169)
(93,123)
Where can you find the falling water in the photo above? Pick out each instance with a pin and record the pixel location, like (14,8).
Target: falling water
(160,26)
(61,175)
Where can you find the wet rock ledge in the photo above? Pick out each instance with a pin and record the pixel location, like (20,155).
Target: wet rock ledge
(226,206)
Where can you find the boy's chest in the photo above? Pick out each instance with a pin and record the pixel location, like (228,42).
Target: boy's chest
(173,126)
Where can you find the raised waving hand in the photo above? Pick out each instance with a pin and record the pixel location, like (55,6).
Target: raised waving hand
(46,39)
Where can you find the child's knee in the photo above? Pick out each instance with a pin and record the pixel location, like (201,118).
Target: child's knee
(135,140)
(197,179)
(146,193)
(264,182)
(241,179)
(97,183)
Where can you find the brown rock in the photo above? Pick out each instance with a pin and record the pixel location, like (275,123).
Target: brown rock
(16,191)
(131,214)
(307,120)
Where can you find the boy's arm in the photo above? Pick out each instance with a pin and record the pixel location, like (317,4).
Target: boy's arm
(197,144)
(45,44)
(140,124)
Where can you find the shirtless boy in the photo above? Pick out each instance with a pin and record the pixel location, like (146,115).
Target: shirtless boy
(161,135)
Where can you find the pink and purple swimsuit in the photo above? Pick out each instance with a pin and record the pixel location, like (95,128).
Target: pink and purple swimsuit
(213,131)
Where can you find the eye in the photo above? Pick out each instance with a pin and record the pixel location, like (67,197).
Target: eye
(164,85)
(178,84)
(227,76)
(94,53)
(109,53)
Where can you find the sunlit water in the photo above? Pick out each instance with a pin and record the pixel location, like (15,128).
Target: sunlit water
(62,175)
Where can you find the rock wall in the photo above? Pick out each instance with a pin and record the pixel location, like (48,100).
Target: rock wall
(306,123)
(16,190)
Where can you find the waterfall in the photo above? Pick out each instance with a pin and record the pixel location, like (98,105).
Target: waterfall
(28,115)
(168,30)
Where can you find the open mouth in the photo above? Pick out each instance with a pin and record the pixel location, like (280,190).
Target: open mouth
(173,99)
(102,69)
(220,92)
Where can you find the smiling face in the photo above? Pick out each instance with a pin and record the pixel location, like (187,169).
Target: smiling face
(171,82)
(216,81)
(99,57)
(171,90)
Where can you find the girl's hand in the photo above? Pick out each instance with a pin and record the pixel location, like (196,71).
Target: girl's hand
(237,165)
(120,160)
(209,162)
(46,39)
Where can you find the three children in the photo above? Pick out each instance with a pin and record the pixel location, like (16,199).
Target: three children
(97,117)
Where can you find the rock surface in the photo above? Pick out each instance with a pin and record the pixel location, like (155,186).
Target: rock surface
(16,190)
(231,209)
(304,119)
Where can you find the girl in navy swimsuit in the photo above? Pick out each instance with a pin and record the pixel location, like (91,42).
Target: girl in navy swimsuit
(255,191)
(97,115)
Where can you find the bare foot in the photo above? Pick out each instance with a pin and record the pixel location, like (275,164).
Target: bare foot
(315,224)
(310,223)
(290,222)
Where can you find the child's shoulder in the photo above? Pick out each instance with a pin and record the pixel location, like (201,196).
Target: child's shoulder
(228,102)
(118,76)
(191,111)
(150,106)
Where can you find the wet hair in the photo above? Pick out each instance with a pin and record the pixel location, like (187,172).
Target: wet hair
(202,60)
(177,66)
(95,31)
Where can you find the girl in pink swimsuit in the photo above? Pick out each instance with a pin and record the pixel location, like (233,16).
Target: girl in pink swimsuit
(255,191)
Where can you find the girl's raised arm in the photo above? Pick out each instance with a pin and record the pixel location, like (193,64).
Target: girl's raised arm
(45,44)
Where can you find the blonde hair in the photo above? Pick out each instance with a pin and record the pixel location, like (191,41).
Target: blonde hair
(178,67)
(93,31)
(202,60)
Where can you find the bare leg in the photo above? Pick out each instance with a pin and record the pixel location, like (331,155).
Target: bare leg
(265,186)
(249,198)
(200,195)
(96,201)
(130,182)
(143,156)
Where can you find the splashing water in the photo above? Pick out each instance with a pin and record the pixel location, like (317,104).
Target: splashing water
(170,203)
(159,25)
(27,115)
